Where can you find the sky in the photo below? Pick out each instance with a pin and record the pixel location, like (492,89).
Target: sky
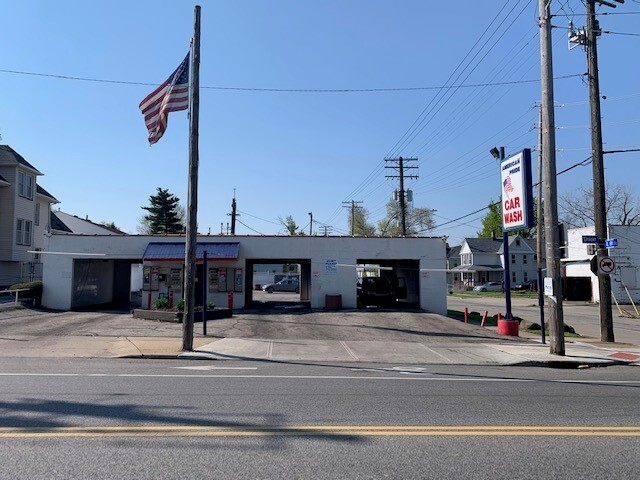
(444,81)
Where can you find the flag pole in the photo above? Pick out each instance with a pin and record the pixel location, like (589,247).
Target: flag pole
(192,208)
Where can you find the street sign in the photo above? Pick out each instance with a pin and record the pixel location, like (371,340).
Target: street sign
(589,239)
(611,242)
(606,265)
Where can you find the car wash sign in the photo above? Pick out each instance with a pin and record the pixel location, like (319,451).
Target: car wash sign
(517,192)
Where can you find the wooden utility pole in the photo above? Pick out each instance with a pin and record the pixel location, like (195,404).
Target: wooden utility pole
(400,167)
(352,205)
(552,237)
(599,212)
(540,229)
(192,210)
(233,214)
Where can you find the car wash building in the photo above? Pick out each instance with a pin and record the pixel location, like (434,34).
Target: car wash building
(81,271)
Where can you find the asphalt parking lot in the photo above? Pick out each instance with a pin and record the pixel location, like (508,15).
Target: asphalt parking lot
(364,325)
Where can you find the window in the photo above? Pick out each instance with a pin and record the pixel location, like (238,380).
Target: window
(19,229)
(36,256)
(513,259)
(25,185)
(37,214)
(535,257)
(524,259)
(525,277)
(514,277)
(517,243)
(23,232)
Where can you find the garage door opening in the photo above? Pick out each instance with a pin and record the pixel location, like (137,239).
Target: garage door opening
(388,283)
(102,284)
(278,284)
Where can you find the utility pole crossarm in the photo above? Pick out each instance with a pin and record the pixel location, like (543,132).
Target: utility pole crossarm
(401,167)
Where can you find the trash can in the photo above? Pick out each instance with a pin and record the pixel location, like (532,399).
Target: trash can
(333,302)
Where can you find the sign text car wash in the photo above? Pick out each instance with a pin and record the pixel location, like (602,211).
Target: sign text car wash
(517,192)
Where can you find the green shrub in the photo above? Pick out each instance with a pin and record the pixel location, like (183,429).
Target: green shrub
(35,290)
(211,305)
(161,304)
(180,305)
(36,284)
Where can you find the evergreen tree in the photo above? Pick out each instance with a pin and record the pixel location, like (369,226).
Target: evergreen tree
(164,214)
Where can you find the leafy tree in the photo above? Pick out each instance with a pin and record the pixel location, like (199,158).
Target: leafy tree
(492,223)
(621,205)
(109,225)
(165,214)
(360,224)
(417,219)
(290,225)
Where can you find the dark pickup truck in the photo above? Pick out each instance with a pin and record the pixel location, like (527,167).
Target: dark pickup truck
(379,291)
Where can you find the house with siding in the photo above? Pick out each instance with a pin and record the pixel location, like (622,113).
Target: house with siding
(482,260)
(25,210)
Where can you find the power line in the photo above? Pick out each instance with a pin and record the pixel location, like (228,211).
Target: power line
(252,229)
(415,127)
(279,90)
(584,162)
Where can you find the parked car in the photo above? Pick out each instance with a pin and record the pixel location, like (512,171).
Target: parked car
(284,285)
(529,285)
(489,287)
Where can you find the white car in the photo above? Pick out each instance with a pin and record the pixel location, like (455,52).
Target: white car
(488,287)
(284,285)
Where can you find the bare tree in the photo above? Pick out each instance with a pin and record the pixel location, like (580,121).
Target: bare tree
(622,206)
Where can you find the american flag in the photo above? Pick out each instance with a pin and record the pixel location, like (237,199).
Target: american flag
(507,185)
(171,96)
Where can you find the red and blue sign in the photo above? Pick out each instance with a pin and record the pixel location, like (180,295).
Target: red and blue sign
(517,192)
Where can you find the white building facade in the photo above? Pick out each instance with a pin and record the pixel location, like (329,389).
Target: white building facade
(579,280)
(82,270)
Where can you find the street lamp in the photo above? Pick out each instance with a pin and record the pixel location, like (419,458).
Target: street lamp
(498,154)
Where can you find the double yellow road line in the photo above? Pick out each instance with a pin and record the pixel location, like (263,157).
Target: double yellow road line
(319,431)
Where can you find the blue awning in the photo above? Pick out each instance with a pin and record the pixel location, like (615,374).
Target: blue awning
(175,251)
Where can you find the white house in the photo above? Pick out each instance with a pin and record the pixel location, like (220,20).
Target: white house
(24,218)
(482,260)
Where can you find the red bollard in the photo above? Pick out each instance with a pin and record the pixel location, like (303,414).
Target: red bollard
(466,315)
(230,300)
(484,318)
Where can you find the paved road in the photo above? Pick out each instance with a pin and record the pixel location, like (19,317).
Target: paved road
(169,419)
(584,317)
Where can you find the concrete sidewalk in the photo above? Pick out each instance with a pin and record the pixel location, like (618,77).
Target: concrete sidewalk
(525,353)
